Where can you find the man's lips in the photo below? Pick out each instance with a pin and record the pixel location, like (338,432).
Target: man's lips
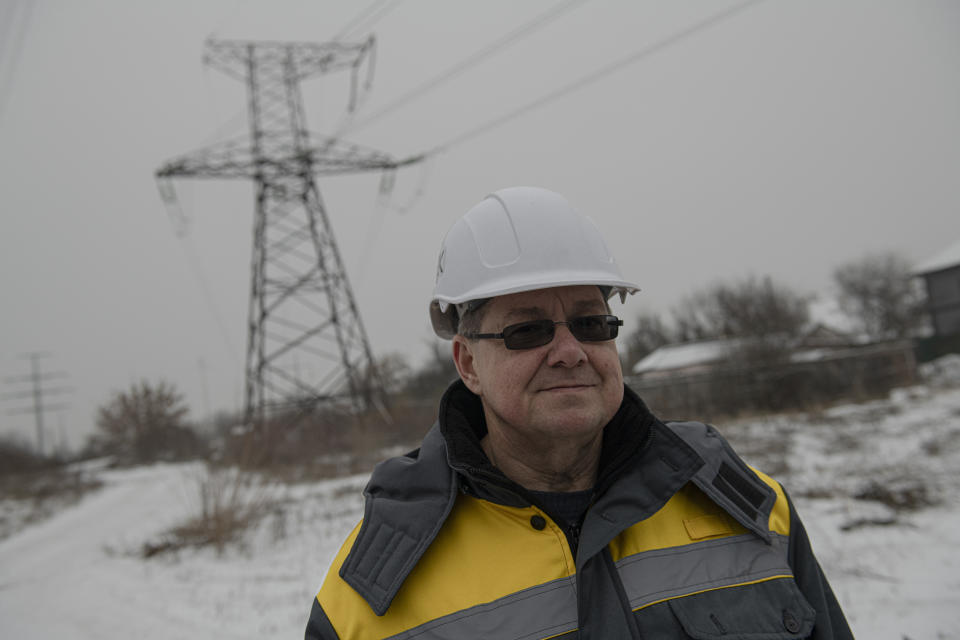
(567,386)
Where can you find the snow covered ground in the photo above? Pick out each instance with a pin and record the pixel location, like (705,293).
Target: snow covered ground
(892,558)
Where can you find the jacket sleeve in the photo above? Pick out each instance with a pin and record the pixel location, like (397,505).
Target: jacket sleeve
(830,622)
(318,626)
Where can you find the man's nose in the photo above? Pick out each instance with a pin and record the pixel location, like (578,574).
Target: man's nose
(565,349)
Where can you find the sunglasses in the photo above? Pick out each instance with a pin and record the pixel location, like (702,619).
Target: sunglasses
(536,333)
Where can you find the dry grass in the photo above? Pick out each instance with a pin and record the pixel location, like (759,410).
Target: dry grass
(907,494)
(229,503)
(33,496)
(328,442)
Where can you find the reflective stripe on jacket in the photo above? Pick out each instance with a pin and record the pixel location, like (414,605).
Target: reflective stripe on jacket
(682,540)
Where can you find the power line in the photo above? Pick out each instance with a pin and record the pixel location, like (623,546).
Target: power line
(19,29)
(207,291)
(472,60)
(384,203)
(181,228)
(597,75)
(360,17)
(372,14)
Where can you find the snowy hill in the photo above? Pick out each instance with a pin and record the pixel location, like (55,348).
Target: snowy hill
(877,485)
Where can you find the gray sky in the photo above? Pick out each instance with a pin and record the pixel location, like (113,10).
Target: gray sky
(784,140)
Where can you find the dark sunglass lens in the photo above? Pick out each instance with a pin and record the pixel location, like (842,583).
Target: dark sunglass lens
(528,335)
(594,328)
(590,328)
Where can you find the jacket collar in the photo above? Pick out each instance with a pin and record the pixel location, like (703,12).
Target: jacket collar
(463,426)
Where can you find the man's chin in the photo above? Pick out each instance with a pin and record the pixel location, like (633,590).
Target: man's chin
(568,415)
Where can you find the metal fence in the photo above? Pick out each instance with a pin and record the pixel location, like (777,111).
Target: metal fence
(855,373)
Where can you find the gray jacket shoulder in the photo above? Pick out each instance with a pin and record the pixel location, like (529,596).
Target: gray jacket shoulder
(726,478)
(407,501)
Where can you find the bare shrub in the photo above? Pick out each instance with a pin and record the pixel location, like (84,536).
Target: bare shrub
(35,486)
(16,456)
(817,493)
(229,502)
(35,496)
(146,423)
(430,380)
(860,523)
(910,494)
(336,439)
(327,442)
(942,444)
(393,371)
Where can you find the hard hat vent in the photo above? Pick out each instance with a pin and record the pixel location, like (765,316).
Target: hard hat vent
(494,233)
(593,239)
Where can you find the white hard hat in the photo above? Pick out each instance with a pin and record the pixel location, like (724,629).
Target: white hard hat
(519,239)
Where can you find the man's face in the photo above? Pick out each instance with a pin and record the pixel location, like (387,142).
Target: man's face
(564,389)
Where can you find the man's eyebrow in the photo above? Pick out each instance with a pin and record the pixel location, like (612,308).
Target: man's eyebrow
(525,312)
(577,308)
(588,305)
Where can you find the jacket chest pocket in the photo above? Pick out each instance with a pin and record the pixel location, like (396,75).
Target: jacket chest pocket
(770,610)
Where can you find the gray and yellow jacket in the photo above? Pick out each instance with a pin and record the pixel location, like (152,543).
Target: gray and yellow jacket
(681,540)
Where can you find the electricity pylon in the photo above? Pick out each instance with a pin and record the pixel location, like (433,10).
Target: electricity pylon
(302,310)
(38,393)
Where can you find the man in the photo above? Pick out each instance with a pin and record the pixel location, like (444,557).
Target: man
(547,501)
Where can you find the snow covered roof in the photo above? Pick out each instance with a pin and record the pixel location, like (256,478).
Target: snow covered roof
(825,311)
(826,317)
(677,356)
(949,257)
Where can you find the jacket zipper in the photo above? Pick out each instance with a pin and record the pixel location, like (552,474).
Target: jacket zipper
(573,539)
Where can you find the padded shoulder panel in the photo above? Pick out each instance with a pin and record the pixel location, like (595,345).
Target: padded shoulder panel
(726,478)
(407,501)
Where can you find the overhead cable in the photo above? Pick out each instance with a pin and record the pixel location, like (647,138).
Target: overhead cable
(472,60)
(179,221)
(597,75)
(15,21)
(367,17)
(207,292)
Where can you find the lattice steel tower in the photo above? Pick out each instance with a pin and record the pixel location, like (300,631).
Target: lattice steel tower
(302,309)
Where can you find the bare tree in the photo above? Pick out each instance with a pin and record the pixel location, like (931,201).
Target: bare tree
(880,295)
(433,377)
(144,424)
(394,372)
(750,308)
(649,333)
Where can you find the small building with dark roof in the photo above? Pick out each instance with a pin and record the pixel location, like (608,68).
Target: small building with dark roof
(941,275)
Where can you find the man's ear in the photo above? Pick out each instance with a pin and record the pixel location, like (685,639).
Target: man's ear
(463,358)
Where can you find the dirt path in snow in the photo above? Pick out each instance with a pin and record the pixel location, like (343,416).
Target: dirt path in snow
(56,575)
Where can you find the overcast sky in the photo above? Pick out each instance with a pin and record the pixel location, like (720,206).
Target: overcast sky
(784,139)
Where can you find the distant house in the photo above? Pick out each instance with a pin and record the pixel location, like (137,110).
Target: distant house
(827,331)
(692,358)
(720,377)
(688,358)
(941,274)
